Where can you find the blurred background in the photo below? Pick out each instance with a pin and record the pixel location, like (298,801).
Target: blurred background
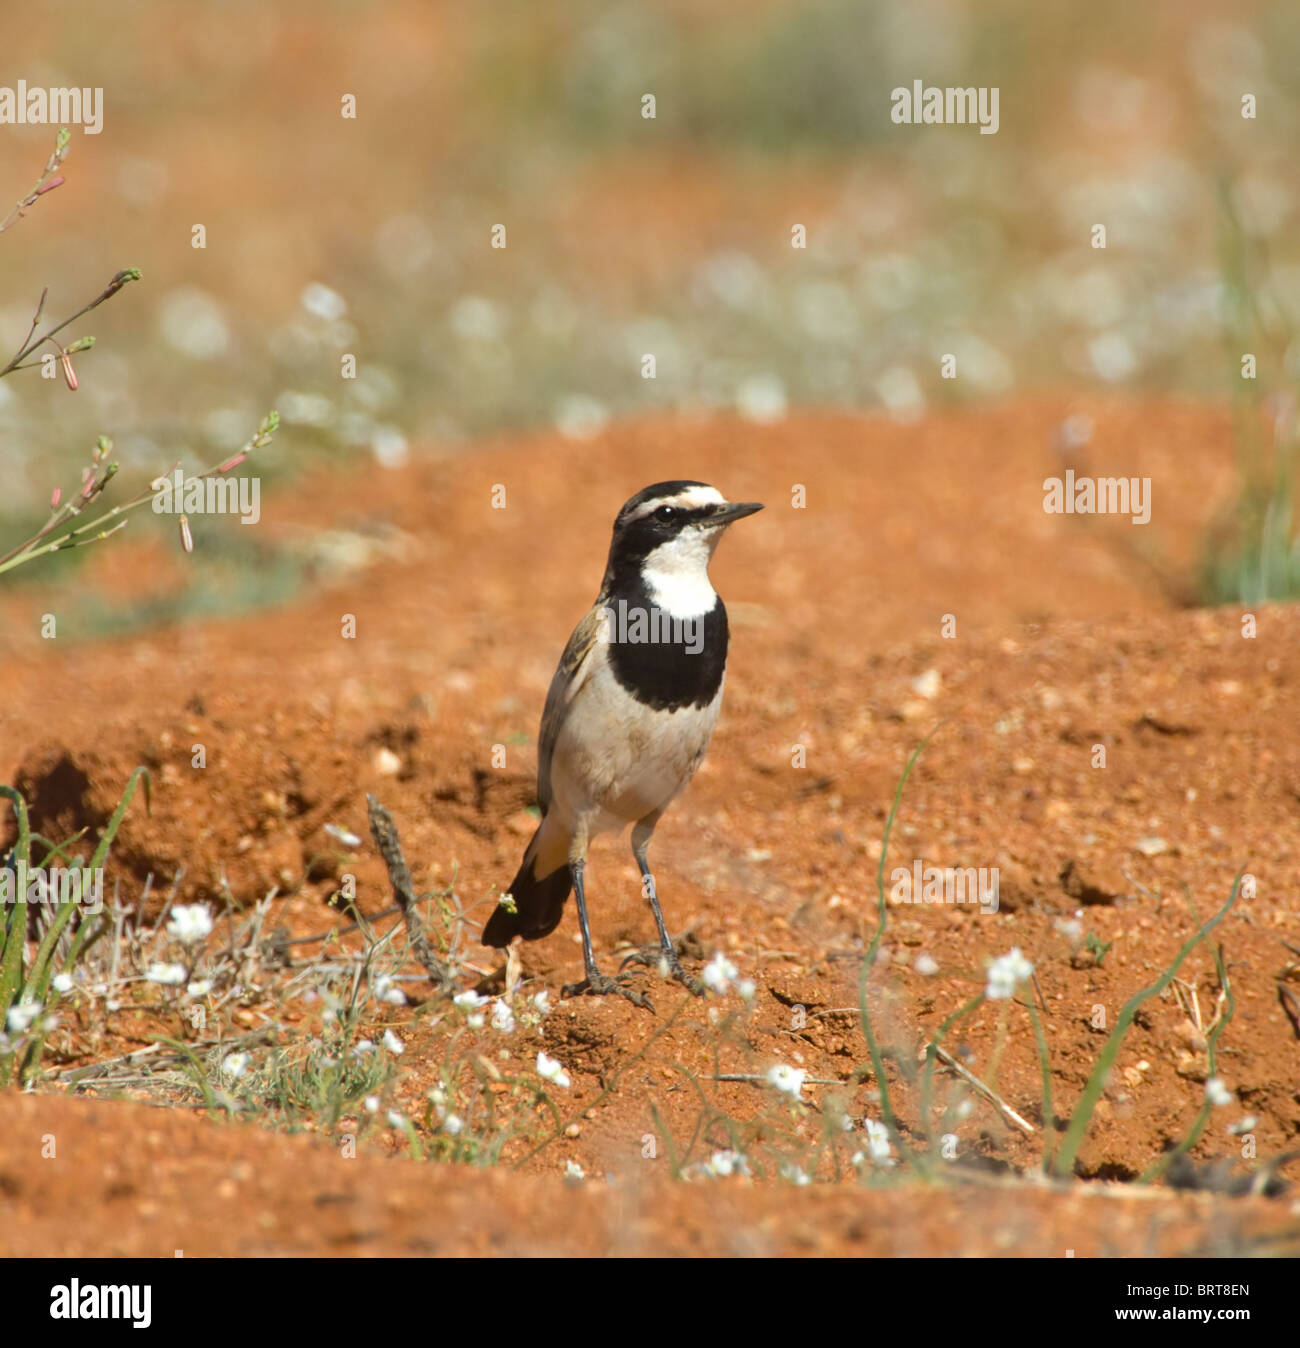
(372,235)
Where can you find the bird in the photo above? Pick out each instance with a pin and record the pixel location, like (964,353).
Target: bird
(628,718)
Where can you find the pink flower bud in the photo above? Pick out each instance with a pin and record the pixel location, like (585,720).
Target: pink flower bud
(232,463)
(187,539)
(69,374)
(55,497)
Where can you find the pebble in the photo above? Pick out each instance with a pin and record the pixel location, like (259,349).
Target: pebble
(387,763)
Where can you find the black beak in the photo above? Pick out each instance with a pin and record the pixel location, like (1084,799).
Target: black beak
(736,510)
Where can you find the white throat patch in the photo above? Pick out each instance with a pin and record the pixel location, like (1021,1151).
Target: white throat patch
(677,573)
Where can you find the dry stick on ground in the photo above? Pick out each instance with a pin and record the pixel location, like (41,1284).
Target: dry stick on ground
(1291,1005)
(76,1076)
(760,1079)
(384,832)
(984,1090)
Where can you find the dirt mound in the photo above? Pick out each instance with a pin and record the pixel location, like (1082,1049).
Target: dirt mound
(214,1190)
(1117,771)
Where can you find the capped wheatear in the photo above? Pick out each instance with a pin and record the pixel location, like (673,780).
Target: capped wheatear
(629,715)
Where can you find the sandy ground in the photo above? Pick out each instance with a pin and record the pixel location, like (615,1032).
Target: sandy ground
(1065,638)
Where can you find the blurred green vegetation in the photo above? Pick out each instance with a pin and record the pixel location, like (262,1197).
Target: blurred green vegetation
(627,236)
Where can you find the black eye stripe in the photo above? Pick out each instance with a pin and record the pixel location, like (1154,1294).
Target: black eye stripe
(682,513)
(648,517)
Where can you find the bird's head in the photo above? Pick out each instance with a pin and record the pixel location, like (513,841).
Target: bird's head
(668,532)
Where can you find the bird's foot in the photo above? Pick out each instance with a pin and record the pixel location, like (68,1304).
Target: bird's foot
(597,984)
(668,964)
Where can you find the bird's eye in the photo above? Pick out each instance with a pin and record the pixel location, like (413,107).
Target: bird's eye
(666,514)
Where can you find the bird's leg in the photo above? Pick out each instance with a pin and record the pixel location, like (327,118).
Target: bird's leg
(596,984)
(666,953)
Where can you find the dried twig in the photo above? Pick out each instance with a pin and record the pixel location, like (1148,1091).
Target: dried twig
(384,832)
(1291,1005)
(759,1079)
(984,1090)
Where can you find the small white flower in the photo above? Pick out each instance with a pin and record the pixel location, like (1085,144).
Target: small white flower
(542,1001)
(234,1064)
(1006,973)
(372,1104)
(393,1044)
(725,1163)
(396,1118)
(453,1124)
(788,1080)
(877,1141)
(343,836)
(573,1173)
(1217,1093)
(21,1016)
(200,987)
(719,973)
(320,301)
(503,1018)
(1245,1124)
(389,446)
(550,1070)
(746,989)
(579,417)
(794,1174)
(477,319)
(761,398)
(62,983)
(362,1047)
(469,1000)
(170,975)
(1071,928)
(386,990)
(437,1096)
(926,965)
(190,923)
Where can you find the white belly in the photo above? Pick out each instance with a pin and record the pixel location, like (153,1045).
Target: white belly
(616,760)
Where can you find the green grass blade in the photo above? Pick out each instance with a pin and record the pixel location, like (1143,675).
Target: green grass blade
(868,960)
(1082,1115)
(15,927)
(106,840)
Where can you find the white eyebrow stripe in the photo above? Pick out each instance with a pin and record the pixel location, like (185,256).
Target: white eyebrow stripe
(689,499)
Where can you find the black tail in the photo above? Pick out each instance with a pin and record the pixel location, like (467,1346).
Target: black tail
(539,903)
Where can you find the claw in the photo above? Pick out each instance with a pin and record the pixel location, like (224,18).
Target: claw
(601,985)
(669,966)
(649,957)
